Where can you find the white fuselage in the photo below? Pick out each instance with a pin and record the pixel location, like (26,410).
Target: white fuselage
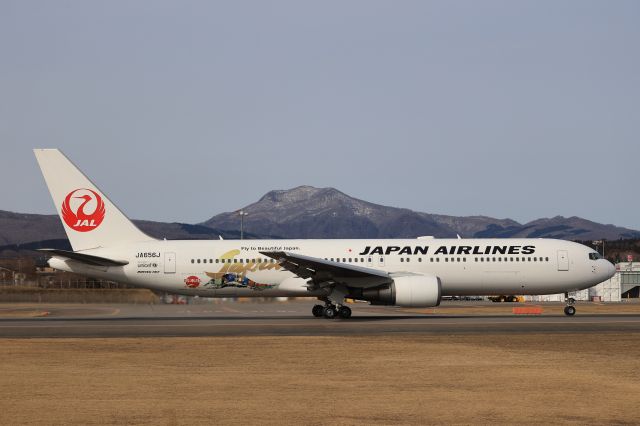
(237,268)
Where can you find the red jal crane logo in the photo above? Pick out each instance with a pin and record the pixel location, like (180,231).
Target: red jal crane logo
(75,213)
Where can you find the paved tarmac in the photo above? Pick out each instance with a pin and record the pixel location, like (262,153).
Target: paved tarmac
(288,319)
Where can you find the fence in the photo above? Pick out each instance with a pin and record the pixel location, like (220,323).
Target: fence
(51,282)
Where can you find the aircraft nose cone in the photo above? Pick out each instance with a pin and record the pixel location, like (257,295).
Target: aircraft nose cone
(607,269)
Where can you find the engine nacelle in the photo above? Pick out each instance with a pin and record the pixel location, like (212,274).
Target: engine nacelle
(415,291)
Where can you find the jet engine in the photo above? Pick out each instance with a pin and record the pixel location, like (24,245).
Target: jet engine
(414,291)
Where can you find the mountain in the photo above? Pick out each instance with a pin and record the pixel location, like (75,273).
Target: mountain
(309,212)
(17,228)
(19,231)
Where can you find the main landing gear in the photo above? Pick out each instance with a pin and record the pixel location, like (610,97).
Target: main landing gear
(331,311)
(569,310)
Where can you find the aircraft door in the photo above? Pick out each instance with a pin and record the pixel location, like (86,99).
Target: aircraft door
(563,260)
(169,263)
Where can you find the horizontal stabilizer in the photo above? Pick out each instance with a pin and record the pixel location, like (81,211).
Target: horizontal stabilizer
(85,258)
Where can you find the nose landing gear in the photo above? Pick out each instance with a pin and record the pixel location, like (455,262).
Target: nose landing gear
(569,310)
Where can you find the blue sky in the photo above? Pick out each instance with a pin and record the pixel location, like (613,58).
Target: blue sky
(181,110)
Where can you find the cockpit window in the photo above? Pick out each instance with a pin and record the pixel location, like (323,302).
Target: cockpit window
(595,256)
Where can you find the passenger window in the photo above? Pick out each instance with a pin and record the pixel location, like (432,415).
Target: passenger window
(419,259)
(446,259)
(193,261)
(437,259)
(402,259)
(547,259)
(408,259)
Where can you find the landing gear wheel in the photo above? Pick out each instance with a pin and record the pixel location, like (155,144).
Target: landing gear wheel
(571,301)
(569,310)
(317,311)
(344,312)
(330,312)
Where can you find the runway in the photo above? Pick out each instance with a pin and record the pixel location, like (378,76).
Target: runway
(293,319)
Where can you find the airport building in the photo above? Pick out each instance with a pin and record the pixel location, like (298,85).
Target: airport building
(628,275)
(625,284)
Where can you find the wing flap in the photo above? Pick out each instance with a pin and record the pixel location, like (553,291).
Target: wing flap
(325,271)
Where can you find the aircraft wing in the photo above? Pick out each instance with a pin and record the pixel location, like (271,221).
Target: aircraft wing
(325,272)
(85,258)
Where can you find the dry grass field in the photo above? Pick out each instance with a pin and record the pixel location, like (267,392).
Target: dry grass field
(569,379)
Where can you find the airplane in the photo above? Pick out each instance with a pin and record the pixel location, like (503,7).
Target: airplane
(395,272)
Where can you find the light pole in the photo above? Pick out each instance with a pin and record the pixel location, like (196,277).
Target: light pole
(599,242)
(242,215)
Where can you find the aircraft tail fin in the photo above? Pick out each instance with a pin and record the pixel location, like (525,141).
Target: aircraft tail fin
(89,218)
